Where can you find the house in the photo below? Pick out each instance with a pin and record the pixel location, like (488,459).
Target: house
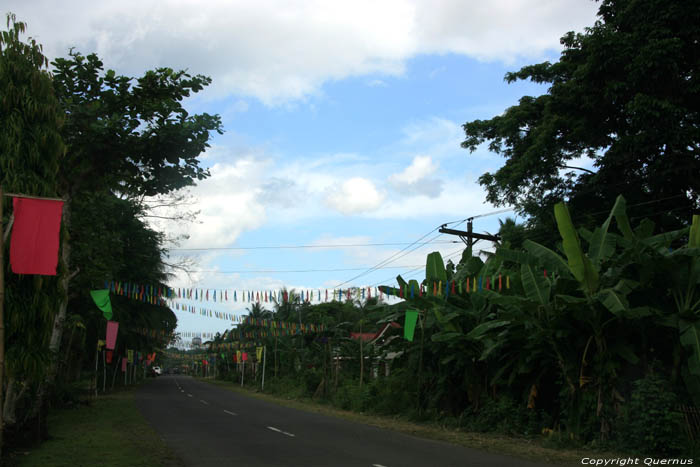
(379,339)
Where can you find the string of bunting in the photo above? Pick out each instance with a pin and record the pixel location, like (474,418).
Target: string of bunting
(295,328)
(201,335)
(157,295)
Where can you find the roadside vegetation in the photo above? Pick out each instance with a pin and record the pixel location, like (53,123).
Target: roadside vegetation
(579,329)
(580,350)
(91,137)
(108,432)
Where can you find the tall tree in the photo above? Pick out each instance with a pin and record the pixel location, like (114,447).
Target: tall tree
(625,93)
(31,150)
(131,137)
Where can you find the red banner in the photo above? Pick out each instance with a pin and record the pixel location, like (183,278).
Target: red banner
(35,236)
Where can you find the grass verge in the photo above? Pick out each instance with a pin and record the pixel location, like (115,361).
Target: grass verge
(528,449)
(110,433)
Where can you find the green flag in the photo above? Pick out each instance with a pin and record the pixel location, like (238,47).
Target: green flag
(409,327)
(101,298)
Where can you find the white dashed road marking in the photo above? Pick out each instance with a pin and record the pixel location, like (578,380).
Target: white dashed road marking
(189,395)
(204,402)
(280,431)
(230,413)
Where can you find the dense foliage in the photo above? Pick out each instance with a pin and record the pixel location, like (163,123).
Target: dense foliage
(102,142)
(593,342)
(625,93)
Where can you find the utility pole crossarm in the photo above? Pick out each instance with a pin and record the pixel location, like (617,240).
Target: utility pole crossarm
(477,236)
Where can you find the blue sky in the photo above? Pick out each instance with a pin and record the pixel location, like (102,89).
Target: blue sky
(343,123)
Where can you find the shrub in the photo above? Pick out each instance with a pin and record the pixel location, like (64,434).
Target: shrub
(504,415)
(650,422)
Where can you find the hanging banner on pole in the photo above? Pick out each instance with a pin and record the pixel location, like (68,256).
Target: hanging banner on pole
(101,299)
(112,328)
(35,236)
(409,327)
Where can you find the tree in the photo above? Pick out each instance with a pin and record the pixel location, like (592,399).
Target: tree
(31,151)
(125,138)
(132,136)
(625,93)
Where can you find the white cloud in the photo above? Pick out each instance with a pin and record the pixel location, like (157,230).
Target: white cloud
(461,197)
(227,205)
(280,51)
(354,196)
(377,83)
(416,178)
(438,136)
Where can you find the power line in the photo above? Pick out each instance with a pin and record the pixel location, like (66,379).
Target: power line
(275,247)
(283,271)
(418,268)
(389,259)
(399,254)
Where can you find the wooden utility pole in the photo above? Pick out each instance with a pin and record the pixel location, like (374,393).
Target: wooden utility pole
(2,296)
(469,237)
(2,315)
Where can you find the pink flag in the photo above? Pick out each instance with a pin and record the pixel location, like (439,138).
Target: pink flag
(244,356)
(34,243)
(124,363)
(112,328)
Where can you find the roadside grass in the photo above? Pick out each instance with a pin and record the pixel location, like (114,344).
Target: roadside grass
(527,449)
(111,432)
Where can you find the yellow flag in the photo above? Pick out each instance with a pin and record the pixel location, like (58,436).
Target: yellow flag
(258,353)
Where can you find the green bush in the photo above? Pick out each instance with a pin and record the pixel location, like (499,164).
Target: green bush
(506,416)
(393,395)
(650,422)
(350,396)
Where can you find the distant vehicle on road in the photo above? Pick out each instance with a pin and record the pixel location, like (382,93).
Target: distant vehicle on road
(154,371)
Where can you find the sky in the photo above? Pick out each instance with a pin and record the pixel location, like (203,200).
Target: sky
(343,123)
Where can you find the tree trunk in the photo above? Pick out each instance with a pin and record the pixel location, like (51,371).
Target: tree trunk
(59,320)
(362,359)
(58,324)
(12,395)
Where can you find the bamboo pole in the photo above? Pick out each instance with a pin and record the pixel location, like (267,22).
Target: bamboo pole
(20,195)
(97,365)
(264,360)
(2,316)
(114,374)
(104,371)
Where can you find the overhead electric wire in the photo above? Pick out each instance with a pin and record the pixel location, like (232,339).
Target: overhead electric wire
(417,268)
(282,271)
(398,255)
(389,259)
(409,248)
(280,247)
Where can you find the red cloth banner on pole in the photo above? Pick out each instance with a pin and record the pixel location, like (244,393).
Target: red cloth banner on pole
(123,363)
(35,236)
(112,328)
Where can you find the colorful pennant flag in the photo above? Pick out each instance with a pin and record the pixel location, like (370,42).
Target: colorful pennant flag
(35,236)
(409,327)
(101,299)
(112,328)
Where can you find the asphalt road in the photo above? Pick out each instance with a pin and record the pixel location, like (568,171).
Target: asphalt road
(210,426)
